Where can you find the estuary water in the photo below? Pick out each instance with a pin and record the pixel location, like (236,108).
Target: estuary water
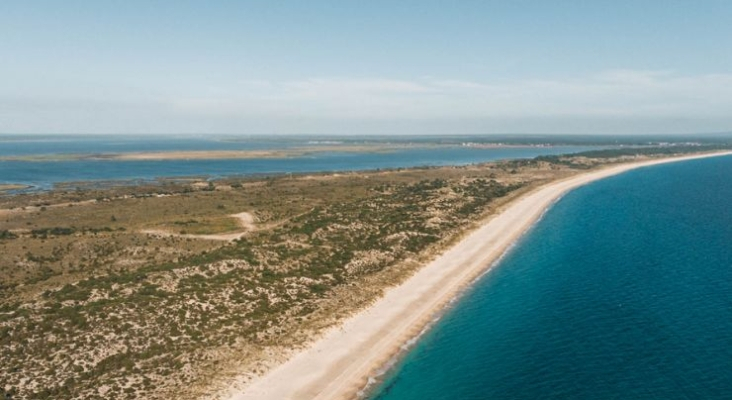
(44,174)
(622,291)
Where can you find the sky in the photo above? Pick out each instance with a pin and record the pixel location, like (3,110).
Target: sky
(365,67)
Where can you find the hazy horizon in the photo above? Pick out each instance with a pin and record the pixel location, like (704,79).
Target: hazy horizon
(376,68)
(515,135)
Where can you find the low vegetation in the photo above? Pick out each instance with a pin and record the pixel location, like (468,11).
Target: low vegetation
(91,307)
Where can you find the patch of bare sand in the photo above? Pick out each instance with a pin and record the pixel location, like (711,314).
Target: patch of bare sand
(245,220)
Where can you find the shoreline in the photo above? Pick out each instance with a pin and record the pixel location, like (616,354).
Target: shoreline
(339,363)
(273,153)
(170,155)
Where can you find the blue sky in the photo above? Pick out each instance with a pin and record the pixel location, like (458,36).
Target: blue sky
(359,67)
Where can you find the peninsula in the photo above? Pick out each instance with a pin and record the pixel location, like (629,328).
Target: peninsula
(217,289)
(339,365)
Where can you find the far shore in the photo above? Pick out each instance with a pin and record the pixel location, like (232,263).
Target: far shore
(201,154)
(338,365)
(247,154)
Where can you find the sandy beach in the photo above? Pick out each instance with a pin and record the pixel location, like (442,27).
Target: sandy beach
(338,365)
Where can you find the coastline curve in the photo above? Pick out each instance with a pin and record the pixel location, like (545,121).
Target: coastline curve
(339,364)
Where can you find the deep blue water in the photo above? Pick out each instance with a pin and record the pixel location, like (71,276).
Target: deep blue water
(43,174)
(622,291)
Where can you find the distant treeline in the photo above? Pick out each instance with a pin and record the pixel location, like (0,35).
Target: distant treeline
(556,140)
(634,151)
(515,139)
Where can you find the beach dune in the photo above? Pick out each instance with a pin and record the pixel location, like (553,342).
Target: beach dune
(338,365)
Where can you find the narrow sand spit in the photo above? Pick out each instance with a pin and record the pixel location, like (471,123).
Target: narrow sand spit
(338,364)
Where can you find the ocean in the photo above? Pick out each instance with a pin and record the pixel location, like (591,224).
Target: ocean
(622,291)
(45,174)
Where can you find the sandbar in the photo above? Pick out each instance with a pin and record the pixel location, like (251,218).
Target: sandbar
(12,186)
(209,154)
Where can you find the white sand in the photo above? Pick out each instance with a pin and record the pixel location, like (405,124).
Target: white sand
(338,365)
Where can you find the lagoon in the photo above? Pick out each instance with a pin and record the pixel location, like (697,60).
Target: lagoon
(42,174)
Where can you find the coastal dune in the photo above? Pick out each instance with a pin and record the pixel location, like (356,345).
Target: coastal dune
(337,365)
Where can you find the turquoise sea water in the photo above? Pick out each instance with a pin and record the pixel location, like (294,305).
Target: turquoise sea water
(44,174)
(622,291)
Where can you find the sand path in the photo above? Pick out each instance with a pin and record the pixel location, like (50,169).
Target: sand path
(338,364)
(245,219)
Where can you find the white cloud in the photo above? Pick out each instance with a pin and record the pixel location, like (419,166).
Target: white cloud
(609,101)
(611,93)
